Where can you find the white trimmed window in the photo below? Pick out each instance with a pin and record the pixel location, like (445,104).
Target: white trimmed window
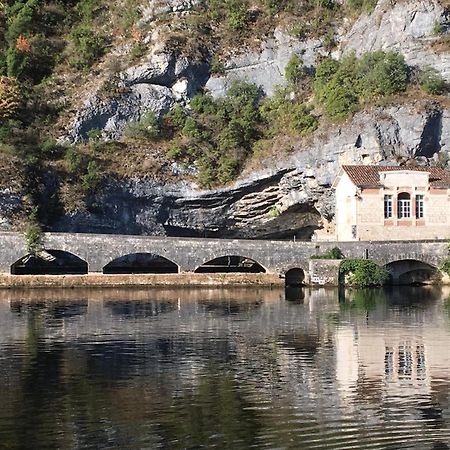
(419,207)
(404,205)
(388,206)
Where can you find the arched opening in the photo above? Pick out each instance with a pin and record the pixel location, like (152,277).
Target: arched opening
(230,264)
(50,262)
(294,280)
(412,272)
(404,205)
(140,263)
(294,277)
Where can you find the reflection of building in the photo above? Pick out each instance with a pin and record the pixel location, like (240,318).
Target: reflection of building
(405,360)
(391,203)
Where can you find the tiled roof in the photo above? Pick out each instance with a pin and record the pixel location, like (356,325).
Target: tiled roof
(368,176)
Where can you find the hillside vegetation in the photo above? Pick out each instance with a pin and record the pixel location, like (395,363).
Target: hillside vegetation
(50,50)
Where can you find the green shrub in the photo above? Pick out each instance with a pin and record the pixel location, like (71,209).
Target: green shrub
(137,50)
(216,67)
(294,70)
(147,128)
(445,266)
(175,151)
(73,160)
(340,86)
(176,117)
(363,272)
(238,16)
(88,46)
(432,82)
(91,179)
(33,233)
(193,129)
(438,28)
(333,253)
(381,73)
(203,104)
(301,119)
(51,148)
(365,6)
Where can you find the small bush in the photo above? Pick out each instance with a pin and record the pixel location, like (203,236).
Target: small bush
(147,128)
(33,234)
(216,67)
(91,179)
(333,253)
(238,14)
(88,46)
(294,70)
(176,117)
(381,74)
(365,6)
(432,82)
(51,148)
(137,50)
(363,272)
(438,28)
(73,160)
(301,119)
(445,266)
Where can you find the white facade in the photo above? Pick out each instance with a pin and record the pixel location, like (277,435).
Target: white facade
(402,205)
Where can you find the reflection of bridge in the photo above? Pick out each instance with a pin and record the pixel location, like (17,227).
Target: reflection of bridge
(147,254)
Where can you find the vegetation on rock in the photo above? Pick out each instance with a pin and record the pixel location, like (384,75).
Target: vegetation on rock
(51,49)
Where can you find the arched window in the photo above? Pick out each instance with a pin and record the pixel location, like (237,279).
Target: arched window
(404,205)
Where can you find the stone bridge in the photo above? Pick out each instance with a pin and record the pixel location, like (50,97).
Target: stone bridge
(188,254)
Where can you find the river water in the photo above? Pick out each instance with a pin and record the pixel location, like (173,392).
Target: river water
(226,369)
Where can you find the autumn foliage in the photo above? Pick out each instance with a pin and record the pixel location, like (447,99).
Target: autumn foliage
(23,44)
(9,97)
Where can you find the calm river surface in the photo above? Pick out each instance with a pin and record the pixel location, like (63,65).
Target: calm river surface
(227,369)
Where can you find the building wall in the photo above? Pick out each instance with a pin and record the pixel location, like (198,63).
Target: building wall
(369,218)
(346,208)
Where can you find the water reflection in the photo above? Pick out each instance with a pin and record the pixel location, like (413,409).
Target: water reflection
(245,368)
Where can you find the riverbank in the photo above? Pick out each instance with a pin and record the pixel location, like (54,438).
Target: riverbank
(136,280)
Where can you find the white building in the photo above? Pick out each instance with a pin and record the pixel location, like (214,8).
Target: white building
(391,203)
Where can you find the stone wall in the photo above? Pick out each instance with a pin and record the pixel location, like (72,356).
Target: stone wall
(324,272)
(277,257)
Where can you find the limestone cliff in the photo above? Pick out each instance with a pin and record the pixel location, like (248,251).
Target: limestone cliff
(289,194)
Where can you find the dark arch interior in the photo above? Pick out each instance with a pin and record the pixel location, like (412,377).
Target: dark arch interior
(412,272)
(294,277)
(231,264)
(140,263)
(50,262)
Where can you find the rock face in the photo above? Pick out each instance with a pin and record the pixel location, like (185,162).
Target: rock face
(266,67)
(293,198)
(163,77)
(10,202)
(405,27)
(111,115)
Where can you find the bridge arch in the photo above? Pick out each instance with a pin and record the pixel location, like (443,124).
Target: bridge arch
(231,264)
(295,276)
(427,258)
(50,262)
(413,271)
(140,263)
